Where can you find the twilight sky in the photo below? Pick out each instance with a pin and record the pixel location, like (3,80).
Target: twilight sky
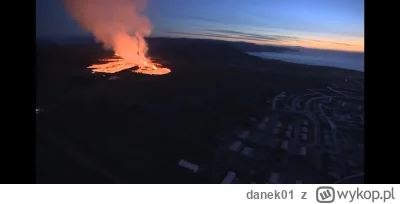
(325,24)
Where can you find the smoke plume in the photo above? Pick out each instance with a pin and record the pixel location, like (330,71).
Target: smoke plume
(119,24)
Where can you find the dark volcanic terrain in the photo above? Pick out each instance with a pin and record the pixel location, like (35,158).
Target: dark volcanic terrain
(135,129)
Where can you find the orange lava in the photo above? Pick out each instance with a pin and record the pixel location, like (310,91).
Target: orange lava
(113,65)
(152,71)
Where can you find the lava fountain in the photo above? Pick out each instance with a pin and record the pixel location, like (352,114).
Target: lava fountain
(121,26)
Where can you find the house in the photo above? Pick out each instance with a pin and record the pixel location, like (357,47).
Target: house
(261,126)
(229,178)
(244,134)
(285,144)
(248,151)
(193,167)
(235,146)
(274,178)
(304,136)
(299,182)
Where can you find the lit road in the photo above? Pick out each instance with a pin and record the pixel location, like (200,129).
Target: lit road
(276,98)
(339,92)
(308,113)
(308,103)
(333,127)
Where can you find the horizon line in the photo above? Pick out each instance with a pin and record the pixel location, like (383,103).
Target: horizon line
(194,38)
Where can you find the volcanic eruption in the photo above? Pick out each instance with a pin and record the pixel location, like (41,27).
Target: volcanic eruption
(121,26)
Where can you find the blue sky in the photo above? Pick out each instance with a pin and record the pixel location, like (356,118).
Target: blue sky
(328,24)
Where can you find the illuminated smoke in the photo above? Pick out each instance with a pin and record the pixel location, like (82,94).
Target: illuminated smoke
(119,24)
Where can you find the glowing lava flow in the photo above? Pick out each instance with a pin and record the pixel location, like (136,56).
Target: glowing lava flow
(114,65)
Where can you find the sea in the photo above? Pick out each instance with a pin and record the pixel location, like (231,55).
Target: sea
(330,58)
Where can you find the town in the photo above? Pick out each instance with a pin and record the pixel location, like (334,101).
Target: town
(316,136)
